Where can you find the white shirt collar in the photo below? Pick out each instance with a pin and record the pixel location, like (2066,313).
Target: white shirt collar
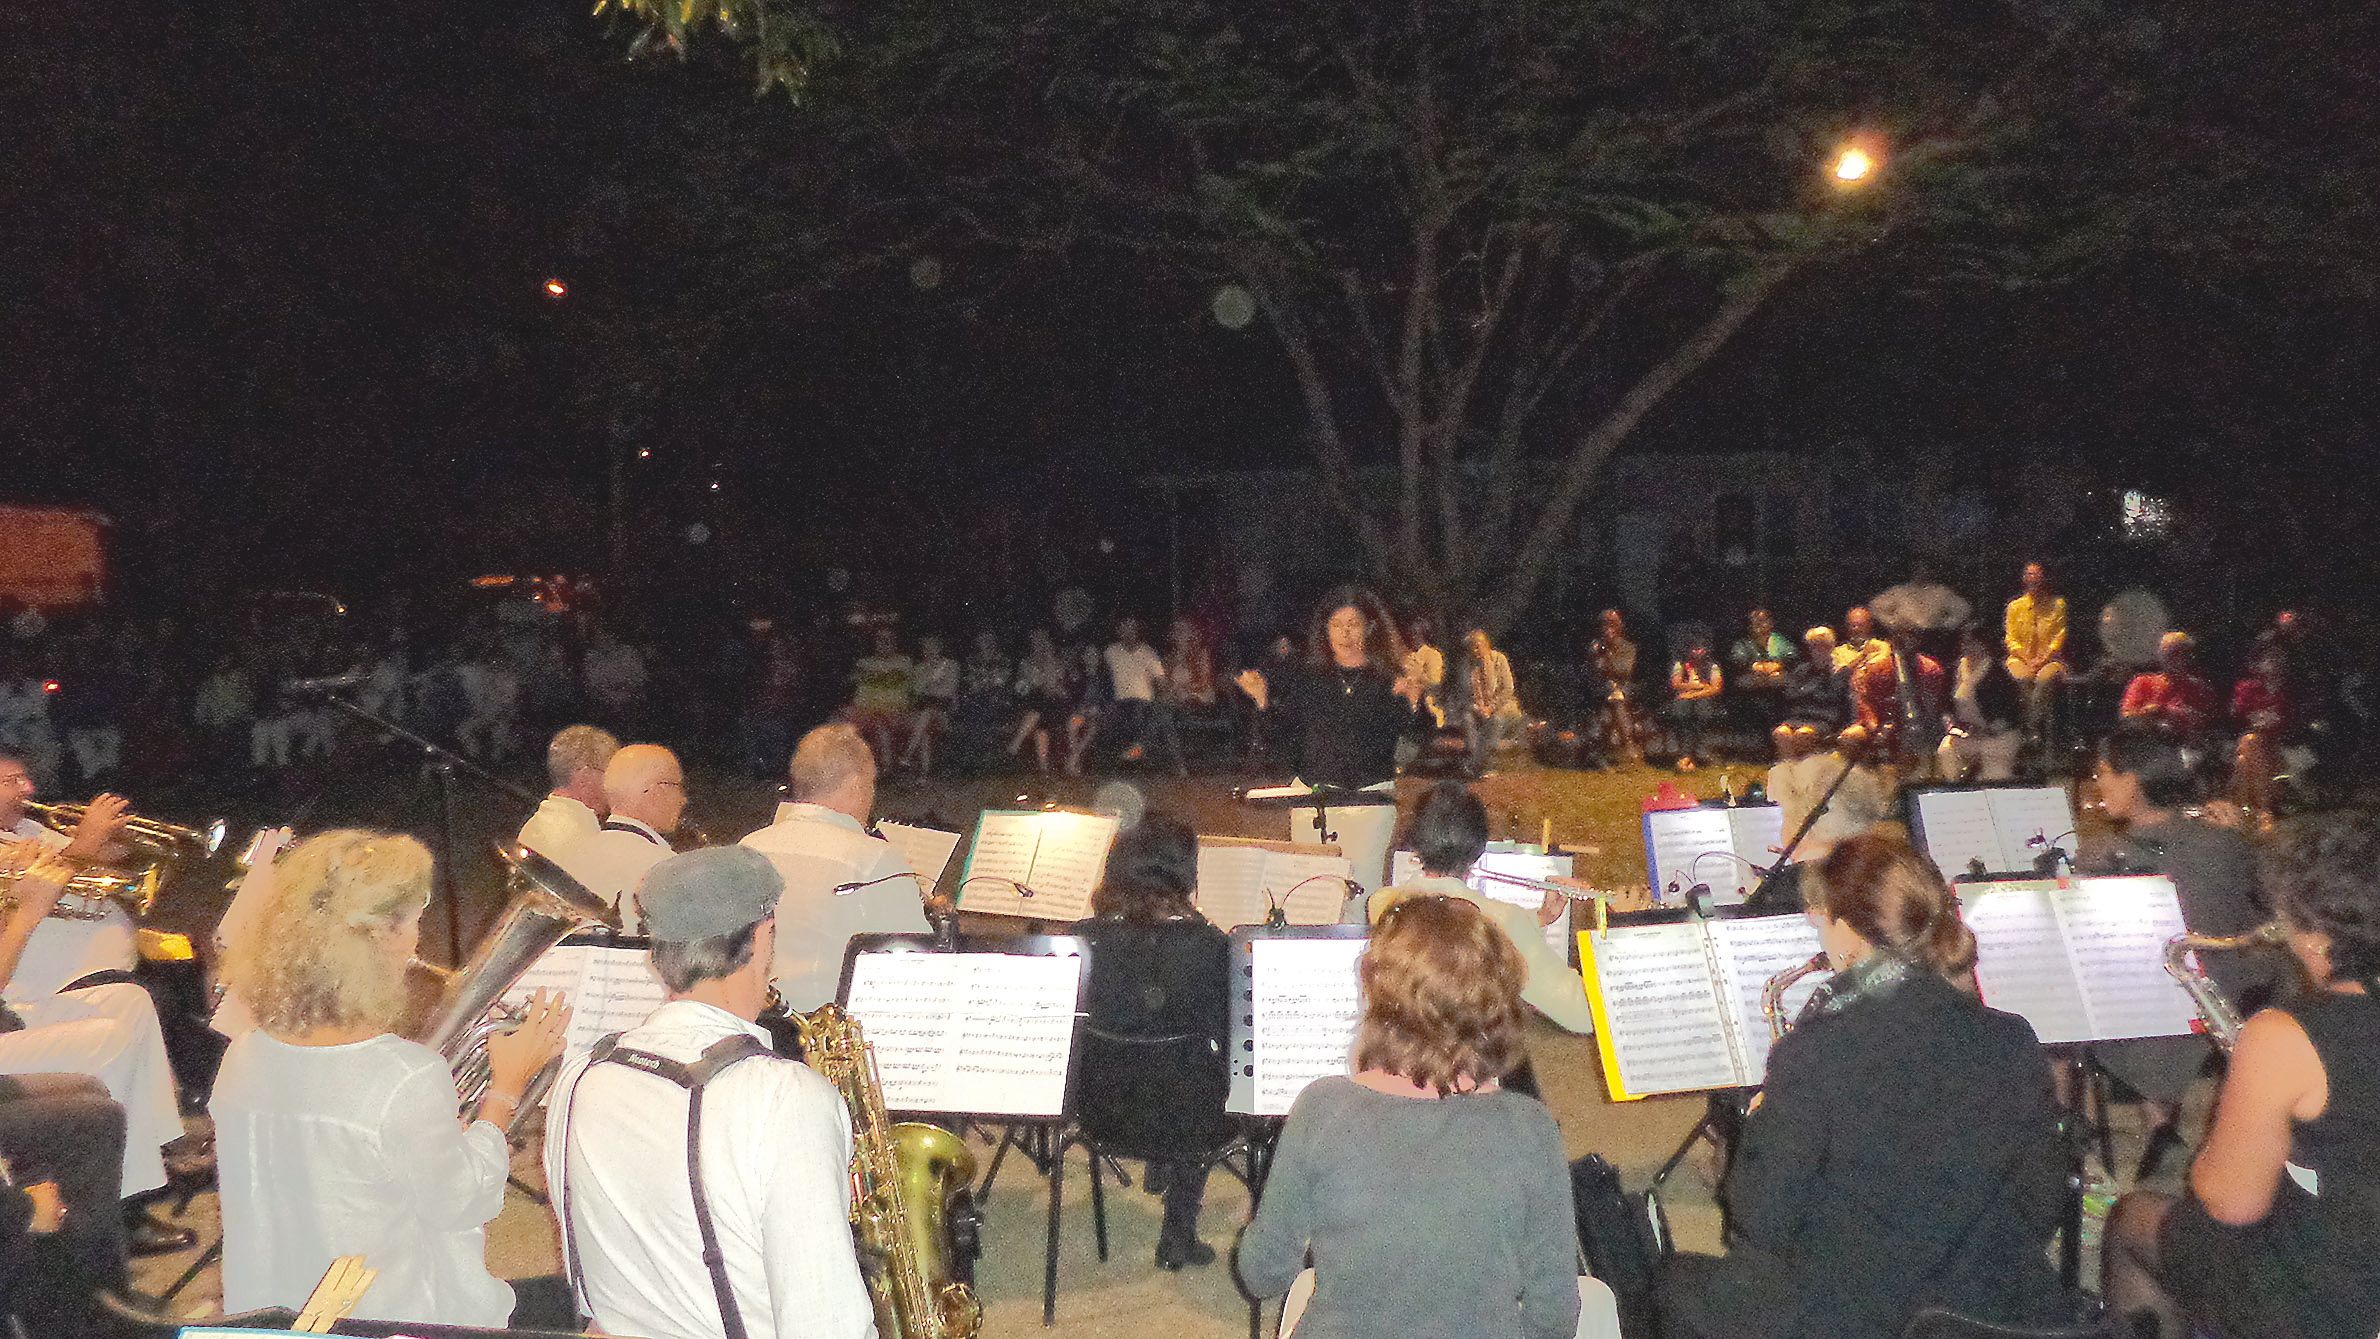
(691,1015)
(802,811)
(641,826)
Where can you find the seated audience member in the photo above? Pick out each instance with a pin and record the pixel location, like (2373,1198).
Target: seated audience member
(1899,697)
(2278,1233)
(2145,785)
(1492,713)
(1860,644)
(1815,700)
(61,1239)
(574,763)
(880,693)
(767,1248)
(1450,834)
(1044,692)
(644,793)
(987,696)
(336,1136)
(820,843)
(1614,662)
(1425,665)
(1983,738)
(1153,1070)
(1695,683)
(2033,632)
(2266,710)
(1757,666)
(2174,697)
(933,687)
(1135,677)
(1430,1201)
(1842,1220)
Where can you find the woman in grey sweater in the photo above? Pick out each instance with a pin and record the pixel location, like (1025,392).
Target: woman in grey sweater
(1432,1202)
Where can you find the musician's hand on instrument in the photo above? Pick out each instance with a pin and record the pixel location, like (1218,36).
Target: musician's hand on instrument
(37,886)
(1252,683)
(101,827)
(1553,908)
(49,1208)
(514,1057)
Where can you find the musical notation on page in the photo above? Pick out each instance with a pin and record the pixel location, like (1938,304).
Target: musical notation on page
(1305,1006)
(1752,951)
(1240,880)
(1659,1014)
(1056,854)
(974,1033)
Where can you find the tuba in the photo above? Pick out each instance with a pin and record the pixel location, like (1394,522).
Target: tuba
(910,1203)
(2216,1011)
(546,904)
(158,845)
(1772,995)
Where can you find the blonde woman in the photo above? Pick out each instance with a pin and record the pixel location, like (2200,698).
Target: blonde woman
(334,1135)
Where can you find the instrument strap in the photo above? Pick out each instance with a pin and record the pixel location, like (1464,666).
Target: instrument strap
(694,1078)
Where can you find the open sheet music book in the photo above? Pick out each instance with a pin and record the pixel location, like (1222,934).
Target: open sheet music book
(979,1034)
(1241,878)
(928,850)
(1404,868)
(1056,853)
(1677,999)
(1958,827)
(1295,1017)
(2081,959)
(610,986)
(1717,846)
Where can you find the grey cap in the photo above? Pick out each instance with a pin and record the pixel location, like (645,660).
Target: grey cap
(703,894)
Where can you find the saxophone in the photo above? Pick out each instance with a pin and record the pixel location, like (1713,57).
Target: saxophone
(1772,995)
(2216,1012)
(910,1186)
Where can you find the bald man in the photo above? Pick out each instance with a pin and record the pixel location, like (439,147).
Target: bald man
(645,791)
(819,843)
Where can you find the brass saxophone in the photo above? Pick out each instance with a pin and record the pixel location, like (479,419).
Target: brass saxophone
(1772,995)
(2215,1009)
(909,1181)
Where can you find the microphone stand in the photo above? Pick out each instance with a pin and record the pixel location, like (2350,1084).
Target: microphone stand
(1768,876)
(443,763)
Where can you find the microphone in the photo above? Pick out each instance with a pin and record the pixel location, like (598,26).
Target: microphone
(1698,898)
(325,683)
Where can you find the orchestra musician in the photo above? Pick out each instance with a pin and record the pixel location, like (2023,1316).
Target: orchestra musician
(2278,1232)
(1904,1152)
(1431,1201)
(61,1239)
(334,1135)
(574,762)
(1338,718)
(840,879)
(769,1189)
(644,794)
(1159,1006)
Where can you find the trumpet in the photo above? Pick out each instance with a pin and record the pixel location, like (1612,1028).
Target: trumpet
(136,882)
(170,841)
(2216,1011)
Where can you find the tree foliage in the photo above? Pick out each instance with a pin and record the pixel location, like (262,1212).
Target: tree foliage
(1491,239)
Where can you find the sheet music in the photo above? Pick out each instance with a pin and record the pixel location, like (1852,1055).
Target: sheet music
(1958,827)
(2115,936)
(1676,838)
(1661,1021)
(927,850)
(1058,855)
(609,990)
(1757,831)
(1305,1005)
(2021,959)
(1751,950)
(980,1033)
(2021,812)
(1239,880)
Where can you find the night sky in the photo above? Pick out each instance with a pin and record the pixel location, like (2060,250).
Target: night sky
(273,301)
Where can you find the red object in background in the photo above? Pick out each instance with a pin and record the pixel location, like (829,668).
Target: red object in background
(52,557)
(49,685)
(1669,797)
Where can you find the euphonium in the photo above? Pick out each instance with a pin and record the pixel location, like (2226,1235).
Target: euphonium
(546,905)
(160,845)
(1772,995)
(910,1182)
(2215,1009)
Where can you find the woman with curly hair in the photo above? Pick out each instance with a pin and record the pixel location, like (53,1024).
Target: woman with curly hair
(1905,1149)
(334,1135)
(2278,1234)
(1432,1201)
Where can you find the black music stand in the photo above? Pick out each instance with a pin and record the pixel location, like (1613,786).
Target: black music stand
(1320,799)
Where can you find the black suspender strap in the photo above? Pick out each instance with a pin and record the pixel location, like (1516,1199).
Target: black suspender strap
(694,1078)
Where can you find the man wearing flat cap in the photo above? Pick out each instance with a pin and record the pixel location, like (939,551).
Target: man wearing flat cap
(768,1188)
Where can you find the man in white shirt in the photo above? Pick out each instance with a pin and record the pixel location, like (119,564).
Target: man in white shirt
(773,1143)
(574,762)
(1133,669)
(645,790)
(821,847)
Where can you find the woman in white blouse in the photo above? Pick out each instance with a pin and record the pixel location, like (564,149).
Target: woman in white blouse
(336,1137)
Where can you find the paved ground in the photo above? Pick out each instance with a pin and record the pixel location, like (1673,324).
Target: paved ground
(1126,1295)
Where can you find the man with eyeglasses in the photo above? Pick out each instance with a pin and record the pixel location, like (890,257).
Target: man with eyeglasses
(644,789)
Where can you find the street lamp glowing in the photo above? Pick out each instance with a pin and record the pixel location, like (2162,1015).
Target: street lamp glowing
(556,289)
(1853,166)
